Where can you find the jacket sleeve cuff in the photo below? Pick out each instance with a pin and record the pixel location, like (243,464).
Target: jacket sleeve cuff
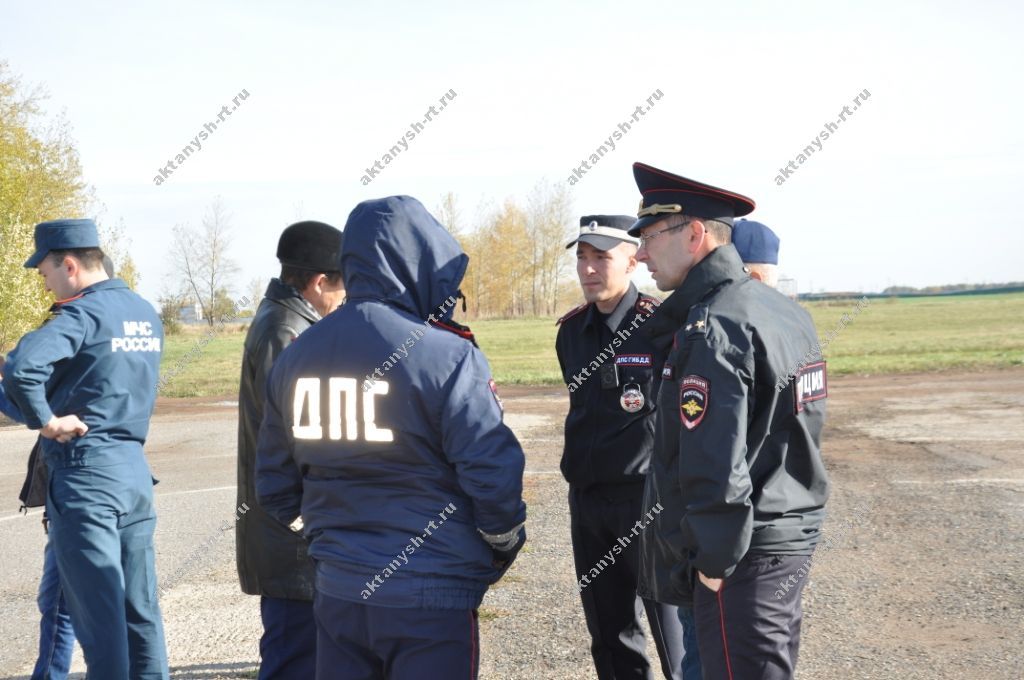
(37,420)
(503,538)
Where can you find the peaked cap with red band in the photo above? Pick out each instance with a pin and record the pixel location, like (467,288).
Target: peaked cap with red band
(664,194)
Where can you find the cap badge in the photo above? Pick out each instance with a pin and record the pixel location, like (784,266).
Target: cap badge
(658,208)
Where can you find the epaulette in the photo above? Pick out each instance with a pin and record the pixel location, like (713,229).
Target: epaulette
(697,320)
(646,304)
(572,312)
(457,328)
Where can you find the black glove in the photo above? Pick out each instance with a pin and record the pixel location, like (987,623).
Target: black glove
(502,556)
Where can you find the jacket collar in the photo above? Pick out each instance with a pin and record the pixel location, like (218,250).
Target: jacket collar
(106,284)
(289,297)
(721,266)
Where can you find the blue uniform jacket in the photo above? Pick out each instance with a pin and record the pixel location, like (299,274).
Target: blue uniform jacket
(97,359)
(8,408)
(383,430)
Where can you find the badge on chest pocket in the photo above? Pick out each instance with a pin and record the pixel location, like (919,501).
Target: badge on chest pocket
(632,399)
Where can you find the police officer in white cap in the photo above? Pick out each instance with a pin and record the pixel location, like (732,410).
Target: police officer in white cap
(612,371)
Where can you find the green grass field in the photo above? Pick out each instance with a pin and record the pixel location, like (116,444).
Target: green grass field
(893,335)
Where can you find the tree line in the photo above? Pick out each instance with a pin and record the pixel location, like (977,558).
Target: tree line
(40,179)
(519,266)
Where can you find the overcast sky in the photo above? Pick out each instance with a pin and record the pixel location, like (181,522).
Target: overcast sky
(911,188)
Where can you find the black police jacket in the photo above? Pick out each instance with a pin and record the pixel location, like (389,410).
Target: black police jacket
(737,462)
(272,559)
(609,431)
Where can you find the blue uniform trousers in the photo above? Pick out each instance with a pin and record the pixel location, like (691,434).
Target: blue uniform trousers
(365,642)
(288,645)
(56,636)
(101,526)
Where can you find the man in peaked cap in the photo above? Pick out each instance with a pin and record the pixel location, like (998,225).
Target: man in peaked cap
(87,381)
(611,370)
(737,460)
(758,247)
(272,559)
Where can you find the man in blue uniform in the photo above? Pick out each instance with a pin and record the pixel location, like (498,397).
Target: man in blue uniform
(87,381)
(56,634)
(612,371)
(272,559)
(382,429)
(737,459)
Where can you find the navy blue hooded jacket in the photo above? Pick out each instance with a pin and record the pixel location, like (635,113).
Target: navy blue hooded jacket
(383,430)
(97,359)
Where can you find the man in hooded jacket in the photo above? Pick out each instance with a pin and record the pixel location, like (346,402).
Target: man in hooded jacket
(383,431)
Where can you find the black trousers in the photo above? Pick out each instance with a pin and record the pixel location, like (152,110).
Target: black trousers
(607,573)
(750,628)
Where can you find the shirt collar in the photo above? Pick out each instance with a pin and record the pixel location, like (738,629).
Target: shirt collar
(616,316)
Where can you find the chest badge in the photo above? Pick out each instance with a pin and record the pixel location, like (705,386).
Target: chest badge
(632,399)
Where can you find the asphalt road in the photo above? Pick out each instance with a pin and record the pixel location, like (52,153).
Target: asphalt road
(214,626)
(921,574)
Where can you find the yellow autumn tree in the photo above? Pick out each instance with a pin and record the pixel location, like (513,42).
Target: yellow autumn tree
(40,179)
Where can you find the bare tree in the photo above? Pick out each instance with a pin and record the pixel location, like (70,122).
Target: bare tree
(549,219)
(202,260)
(448,214)
(257,287)
(116,244)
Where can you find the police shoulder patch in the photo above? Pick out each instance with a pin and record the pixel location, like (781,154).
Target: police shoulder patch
(693,400)
(647,304)
(572,312)
(810,384)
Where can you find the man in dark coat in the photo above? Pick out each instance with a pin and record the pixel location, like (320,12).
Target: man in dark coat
(272,559)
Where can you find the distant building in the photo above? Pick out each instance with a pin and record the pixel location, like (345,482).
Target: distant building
(787,287)
(191,312)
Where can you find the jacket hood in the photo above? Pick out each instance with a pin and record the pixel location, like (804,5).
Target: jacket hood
(395,251)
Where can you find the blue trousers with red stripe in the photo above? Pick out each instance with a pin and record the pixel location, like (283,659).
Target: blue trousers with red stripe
(750,628)
(358,641)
